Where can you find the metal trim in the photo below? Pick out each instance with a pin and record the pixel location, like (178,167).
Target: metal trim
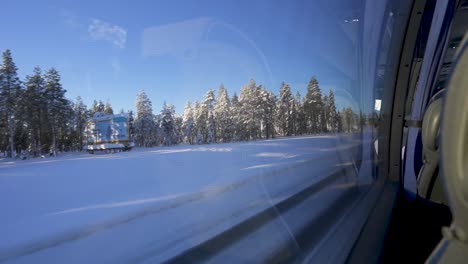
(401,88)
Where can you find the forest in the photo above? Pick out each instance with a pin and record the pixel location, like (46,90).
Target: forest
(37,118)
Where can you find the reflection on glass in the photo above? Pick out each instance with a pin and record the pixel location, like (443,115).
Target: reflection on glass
(251,125)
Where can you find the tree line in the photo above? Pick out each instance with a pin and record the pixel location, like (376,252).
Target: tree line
(37,118)
(256,113)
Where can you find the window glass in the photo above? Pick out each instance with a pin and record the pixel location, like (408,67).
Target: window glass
(190,131)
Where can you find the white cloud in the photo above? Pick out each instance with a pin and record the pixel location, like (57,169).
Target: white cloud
(100,30)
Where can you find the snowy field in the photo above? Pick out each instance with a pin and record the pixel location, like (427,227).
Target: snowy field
(149,205)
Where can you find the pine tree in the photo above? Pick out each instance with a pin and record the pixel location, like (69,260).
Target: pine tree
(284,110)
(313,106)
(268,113)
(100,107)
(188,124)
(325,124)
(235,118)
(80,113)
(3,133)
(258,101)
(332,113)
(10,89)
(222,113)
(168,126)
(249,112)
(294,113)
(178,131)
(200,122)
(144,121)
(245,115)
(34,109)
(211,128)
(300,118)
(339,122)
(131,124)
(348,119)
(207,110)
(108,108)
(156,135)
(65,128)
(94,108)
(57,105)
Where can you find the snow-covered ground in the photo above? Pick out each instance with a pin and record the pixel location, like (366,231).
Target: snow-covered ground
(151,204)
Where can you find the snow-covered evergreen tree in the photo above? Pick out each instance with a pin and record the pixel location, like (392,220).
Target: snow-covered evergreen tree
(34,110)
(211,128)
(248,126)
(300,118)
(284,110)
(101,106)
(268,112)
(334,117)
(349,119)
(313,106)
(207,110)
(258,101)
(144,121)
(245,113)
(10,89)
(94,108)
(326,123)
(188,124)
(80,114)
(223,116)
(58,107)
(200,122)
(178,133)
(168,126)
(108,108)
(131,124)
(235,118)
(339,122)
(156,136)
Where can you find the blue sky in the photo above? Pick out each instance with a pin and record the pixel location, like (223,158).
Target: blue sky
(177,50)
